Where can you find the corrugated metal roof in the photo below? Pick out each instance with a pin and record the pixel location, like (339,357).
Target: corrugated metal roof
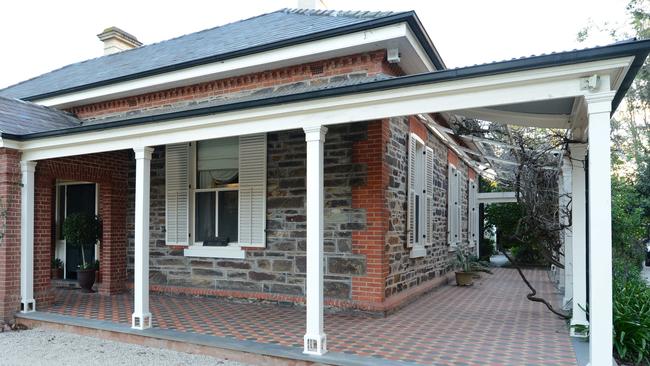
(246,34)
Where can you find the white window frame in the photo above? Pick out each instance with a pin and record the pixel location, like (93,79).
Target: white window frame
(196,249)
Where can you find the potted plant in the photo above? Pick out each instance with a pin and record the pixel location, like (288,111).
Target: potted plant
(98,274)
(57,269)
(81,230)
(468,269)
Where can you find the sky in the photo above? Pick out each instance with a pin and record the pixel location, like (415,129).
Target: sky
(40,36)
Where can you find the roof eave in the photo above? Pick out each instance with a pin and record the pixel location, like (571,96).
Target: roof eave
(409,17)
(638,49)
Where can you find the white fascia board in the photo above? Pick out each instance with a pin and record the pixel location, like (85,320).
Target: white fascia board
(516,87)
(362,41)
(496,197)
(518,118)
(419,50)
(9,144)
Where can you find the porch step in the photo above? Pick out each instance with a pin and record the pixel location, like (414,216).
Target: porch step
(251,352)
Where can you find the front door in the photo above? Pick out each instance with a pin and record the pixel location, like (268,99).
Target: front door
(74,198)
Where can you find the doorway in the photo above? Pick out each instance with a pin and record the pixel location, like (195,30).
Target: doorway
(72,198)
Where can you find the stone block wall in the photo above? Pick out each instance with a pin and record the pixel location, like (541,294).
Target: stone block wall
(405,273)
(278,271)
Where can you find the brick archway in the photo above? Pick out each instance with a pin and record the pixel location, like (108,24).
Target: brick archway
(109,171)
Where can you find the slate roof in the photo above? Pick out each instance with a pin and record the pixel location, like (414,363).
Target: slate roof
(18,117)
(221,42)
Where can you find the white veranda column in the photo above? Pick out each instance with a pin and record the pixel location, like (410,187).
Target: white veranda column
(600,230)
(578,239)
(565,207)
(315,339)
(141,318)
(27,303)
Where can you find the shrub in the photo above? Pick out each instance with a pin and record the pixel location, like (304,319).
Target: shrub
(81,230)
(631,308)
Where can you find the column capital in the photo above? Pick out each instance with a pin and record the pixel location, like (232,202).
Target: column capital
(143,152)
(27,166)
(578,150)
(315,133)
(599,102)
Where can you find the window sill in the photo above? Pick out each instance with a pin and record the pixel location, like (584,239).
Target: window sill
(418,252)
(229,252)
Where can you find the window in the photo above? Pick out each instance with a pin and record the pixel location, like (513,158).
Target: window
(453,208)
(216,189)
(420,196)
(216,197)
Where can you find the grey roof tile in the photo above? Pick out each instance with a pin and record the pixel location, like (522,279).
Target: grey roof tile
(261,30)
(18,117)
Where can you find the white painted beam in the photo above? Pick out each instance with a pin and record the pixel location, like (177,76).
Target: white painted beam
(565,204)
(517,87)
(600,229)
(141,318)
(315,338)
(497,197)
(27,303)
(516,118)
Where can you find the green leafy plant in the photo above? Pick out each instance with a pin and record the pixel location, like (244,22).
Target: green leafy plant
(631,307)
(57,263)
(470,263)
(81,230)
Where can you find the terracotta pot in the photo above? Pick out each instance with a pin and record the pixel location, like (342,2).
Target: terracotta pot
(86,279)
(464,278)
(57,273)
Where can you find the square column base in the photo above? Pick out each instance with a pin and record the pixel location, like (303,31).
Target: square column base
(141,321)
(315,344)
(27,306)
(578,333)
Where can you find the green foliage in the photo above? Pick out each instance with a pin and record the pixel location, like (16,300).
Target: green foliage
(81,230)
(631,308)
(470,263)
(57,263)
(628,222)
(486,249)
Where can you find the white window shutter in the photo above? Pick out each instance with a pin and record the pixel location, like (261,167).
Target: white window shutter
(410,214)
(452,207)
(430,165)
(252,190)
(177,193)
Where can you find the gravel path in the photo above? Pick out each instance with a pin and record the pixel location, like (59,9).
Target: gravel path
(47,347)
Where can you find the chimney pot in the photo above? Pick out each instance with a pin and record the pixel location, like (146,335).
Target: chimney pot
(116,40)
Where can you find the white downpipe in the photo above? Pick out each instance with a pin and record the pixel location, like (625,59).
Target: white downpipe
(27,303)
(141,318)
(600,229)
(315,339)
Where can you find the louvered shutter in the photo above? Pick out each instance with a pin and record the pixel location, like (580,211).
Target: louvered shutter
(429,195)
(177,193)
(410,214)
(452,207)
(472,212)
(252,190)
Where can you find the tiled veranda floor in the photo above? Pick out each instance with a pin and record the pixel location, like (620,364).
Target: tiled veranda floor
(490,323)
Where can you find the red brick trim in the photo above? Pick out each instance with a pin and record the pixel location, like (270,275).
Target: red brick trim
(10,179)
(418,128)
(452,158)
(109,170)
(471,174)
(370,62)
(371,198)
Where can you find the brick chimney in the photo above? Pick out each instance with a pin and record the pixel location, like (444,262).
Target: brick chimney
(116,40)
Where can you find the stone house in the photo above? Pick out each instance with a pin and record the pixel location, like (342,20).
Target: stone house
(298,156)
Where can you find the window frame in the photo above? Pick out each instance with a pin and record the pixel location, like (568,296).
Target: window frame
(193,191)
